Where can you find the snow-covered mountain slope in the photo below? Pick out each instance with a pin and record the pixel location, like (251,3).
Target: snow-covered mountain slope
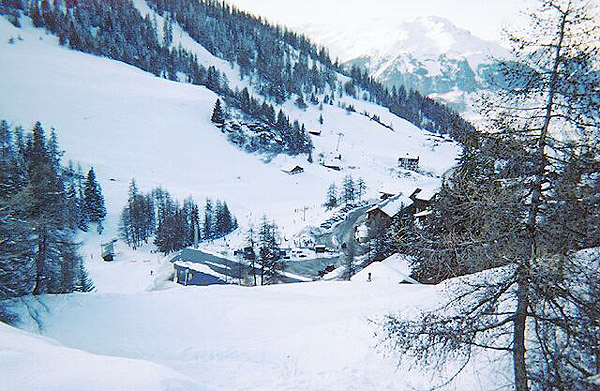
(129,124)
(308,336)
(428,54)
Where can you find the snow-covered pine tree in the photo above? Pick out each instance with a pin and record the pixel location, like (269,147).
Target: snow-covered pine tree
(93,201)
(269,258)
(218,115)
(37,251)
(348,195)
(208,228)
(361,186)
(332,197)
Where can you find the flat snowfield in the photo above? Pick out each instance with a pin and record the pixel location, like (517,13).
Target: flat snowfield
(305,336)
(309,336)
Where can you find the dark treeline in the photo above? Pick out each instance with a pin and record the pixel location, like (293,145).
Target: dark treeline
(173,226)
(281,135)
(282,61)
(419,110)
(42,204)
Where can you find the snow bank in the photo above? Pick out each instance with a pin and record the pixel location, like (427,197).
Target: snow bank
(31,363)
(392,270)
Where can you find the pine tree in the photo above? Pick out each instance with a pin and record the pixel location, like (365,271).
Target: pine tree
(360,188)
(218,115)
(37,251)
(93,201)
(348,195)
(167,32)
(208,220)
(269,253)
(82,218)
(71,207)
(137,218)
(332,198)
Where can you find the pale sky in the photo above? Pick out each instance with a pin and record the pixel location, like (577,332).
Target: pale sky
(484,18)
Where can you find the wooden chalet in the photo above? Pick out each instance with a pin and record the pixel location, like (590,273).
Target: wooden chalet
(293,170)
(334,164)
(384,212)
(409,162)
(423,199)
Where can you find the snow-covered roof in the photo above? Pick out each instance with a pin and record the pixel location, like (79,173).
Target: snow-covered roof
(329,162)
(395,269)
(388,188)
(291,168)
(425,195)
(394,205)
(198,267)
(410,156)
(423,213)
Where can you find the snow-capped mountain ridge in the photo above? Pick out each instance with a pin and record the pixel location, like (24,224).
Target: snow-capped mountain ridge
(428,54)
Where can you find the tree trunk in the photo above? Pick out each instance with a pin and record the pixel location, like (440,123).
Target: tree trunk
(519,330)
(39,261)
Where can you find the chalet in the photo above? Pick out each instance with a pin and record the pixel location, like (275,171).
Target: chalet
(423,199)
(314,132)
(108,250)
(334,164)
(361,233)
(293,170)
(384,212)
(189,273)
(409,162)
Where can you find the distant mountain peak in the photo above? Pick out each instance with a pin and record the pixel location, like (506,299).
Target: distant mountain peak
(428,53)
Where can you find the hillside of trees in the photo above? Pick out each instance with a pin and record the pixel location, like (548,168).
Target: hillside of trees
(285,65)
(173,226)
(280,64)
(42,205)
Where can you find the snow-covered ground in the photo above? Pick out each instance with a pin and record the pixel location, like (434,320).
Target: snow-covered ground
(306,336)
